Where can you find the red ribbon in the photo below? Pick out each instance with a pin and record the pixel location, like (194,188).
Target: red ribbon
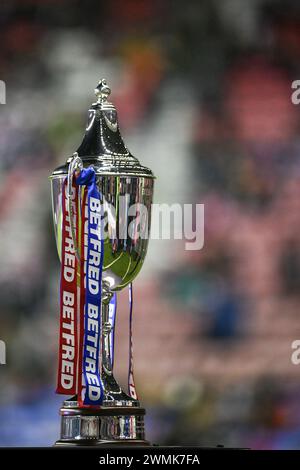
(68,336)
(131,383)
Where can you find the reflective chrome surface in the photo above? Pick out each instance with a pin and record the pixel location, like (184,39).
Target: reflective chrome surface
(126,187)
(112,424)
(102,145)
(123,257)
(125,249)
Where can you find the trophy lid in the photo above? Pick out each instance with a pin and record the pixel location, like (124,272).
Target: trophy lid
(102,145)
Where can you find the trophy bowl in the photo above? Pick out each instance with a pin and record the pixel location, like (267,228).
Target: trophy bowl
(127,236)
(126,189)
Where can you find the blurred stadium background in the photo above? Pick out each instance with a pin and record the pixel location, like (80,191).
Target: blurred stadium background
(203,94)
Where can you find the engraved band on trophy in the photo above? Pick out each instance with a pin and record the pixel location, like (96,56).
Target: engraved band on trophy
(102,168)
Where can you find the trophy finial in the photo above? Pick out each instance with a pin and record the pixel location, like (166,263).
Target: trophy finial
(102,91)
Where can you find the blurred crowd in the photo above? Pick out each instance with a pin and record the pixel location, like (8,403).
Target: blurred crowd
(203,93)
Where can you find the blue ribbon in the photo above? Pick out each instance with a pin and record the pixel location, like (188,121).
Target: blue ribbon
(92,312)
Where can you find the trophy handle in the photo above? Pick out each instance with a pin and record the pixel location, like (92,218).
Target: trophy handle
(75,165)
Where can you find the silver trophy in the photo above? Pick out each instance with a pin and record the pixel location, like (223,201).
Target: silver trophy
(120,177)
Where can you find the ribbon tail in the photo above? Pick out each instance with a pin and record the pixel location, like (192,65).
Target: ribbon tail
(68,335)
(131,383)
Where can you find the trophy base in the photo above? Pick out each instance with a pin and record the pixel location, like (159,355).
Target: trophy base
(112,425)
(104,443)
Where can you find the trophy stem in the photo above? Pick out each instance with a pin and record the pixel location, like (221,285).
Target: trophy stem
(106,339)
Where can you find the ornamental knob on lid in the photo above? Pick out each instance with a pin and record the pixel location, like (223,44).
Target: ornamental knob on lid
(102,145)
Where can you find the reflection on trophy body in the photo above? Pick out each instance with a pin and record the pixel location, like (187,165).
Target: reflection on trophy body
(125,188)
